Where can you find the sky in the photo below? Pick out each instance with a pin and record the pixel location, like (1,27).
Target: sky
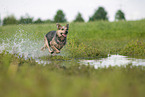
(46,9)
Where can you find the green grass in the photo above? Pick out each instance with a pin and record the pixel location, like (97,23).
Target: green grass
(93,39)
(134,48)
(30,79)
(63,77)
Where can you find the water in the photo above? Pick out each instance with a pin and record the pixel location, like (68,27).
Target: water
(113,60)
(22,45)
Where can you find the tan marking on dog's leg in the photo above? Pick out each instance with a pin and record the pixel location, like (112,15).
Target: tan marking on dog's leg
(46,42)
(56,50)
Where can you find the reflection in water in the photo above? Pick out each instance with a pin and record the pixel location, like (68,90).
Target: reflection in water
(113,60)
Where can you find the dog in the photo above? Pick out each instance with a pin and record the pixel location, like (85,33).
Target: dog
(56,40)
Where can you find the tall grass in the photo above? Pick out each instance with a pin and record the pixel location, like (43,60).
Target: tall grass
(105,37)
(93,39)
(20,77)
(26,78)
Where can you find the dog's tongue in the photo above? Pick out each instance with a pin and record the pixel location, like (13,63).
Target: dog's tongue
(64,35)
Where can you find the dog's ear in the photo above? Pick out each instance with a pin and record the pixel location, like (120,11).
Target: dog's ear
(58,26)
(67,26)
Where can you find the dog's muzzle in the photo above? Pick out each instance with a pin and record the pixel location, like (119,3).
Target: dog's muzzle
(65,35)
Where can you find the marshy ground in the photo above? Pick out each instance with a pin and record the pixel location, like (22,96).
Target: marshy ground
(79,70)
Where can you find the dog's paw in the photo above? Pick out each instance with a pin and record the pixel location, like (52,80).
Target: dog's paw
(51,52)
(57,52)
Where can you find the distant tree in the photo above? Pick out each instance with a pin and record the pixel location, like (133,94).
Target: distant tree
(99,14)
(38,21)
(79,18)
(91,19)
(60,17)
(10,20)
(119,15)
(26,19)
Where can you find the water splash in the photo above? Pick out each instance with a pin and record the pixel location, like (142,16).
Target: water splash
(21,44)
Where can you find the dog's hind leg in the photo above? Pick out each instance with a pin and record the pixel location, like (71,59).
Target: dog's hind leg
(43,48)
(47,45)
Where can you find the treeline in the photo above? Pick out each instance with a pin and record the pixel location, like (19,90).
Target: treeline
(99,14)
(23,20)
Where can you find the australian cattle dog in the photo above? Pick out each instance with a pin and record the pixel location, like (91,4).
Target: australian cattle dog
(55,40)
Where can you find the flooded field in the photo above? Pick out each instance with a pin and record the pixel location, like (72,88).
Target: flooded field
(99,60)
(23,46)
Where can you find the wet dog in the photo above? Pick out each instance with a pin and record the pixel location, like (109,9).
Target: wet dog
(55,40)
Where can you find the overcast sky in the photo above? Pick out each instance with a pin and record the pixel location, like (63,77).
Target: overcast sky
(46,9)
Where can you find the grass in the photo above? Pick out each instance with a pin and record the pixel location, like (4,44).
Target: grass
(20,77)
(93,39)
(30,79)
(104,37)
(134,48)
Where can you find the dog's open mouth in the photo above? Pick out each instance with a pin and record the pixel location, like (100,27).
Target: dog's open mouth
(64,35)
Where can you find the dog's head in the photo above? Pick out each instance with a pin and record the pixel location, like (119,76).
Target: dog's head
(62,30)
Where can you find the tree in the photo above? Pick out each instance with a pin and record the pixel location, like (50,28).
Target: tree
(60,17)
(10,20)
(38,21)
(79,18)
(26,19)
(99,14)
(119,15)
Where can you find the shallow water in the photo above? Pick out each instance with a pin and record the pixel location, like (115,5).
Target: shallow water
(22,45)
(113,60)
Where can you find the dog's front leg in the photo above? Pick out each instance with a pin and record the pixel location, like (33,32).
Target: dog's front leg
(55,49)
